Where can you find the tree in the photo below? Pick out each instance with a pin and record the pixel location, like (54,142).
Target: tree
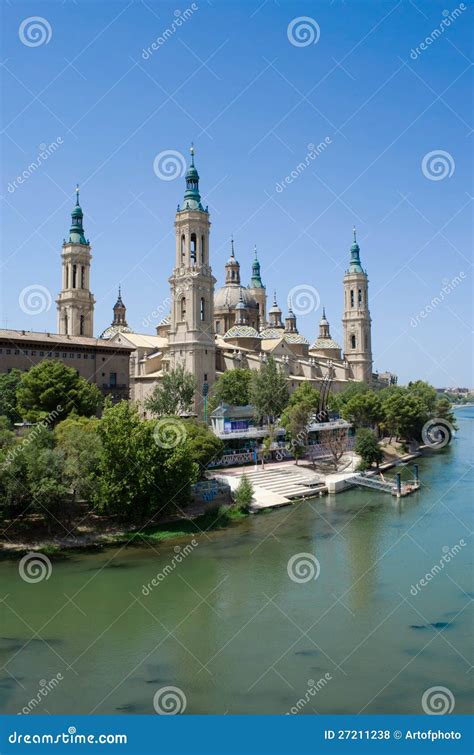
(363,409)
(203,446)
(78,439)
(243,494)
(232,387)
(174,394)
(53,391)
(404,414)
(338,400)
(367,447)
(334,444)
(269,391)
(443,410)
(7,437)
(145,468)
(305,394)
(9,383)
(295,419)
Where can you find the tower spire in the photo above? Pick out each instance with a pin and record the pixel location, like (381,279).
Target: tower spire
(355,264)
(192,197)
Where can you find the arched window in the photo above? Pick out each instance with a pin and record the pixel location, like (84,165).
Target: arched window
(353,342)
(74,276)
(183,249)
(360,296)
(203,249)
(352,298)
(83,276)
(203,309)
(366,340)
(233,274)
(81,326)
(183,308)
(218,326)
(193,247)
(67,276)
(65,323)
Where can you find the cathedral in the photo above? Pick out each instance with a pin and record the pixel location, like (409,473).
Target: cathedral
(210,330)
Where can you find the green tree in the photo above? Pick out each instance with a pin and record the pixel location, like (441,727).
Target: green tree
(52,391)
(7,437)
(243,494)
(338,400)
(363,409)
(203,446)
(367,447)
(305,394)
(174,394)
(269,391)
(404,414)
(232,387)
(9,383)
(49,493)
(443,410)
(78,439)
(145,469)
(295,419)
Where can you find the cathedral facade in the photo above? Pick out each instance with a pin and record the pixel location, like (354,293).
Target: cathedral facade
(210,330)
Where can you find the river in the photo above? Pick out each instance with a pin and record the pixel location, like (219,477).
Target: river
(230,629)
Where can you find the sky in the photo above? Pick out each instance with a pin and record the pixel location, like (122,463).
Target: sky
(106,90)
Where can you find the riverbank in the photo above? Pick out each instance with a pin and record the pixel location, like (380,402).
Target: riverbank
(87,540)
(95,533)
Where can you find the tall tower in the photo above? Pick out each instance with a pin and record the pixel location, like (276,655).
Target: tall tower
(191,334)
(356,320)
(258,291)
(75,301)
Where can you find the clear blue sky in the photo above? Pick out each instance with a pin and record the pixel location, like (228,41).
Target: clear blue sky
(230,80)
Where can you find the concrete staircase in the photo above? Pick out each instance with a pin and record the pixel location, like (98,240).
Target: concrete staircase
(278,486)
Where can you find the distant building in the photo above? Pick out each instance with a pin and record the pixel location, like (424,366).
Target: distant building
(101,362)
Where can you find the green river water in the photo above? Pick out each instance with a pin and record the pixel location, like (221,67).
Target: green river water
(231,630)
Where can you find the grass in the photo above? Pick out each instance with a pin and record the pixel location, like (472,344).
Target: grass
(217,519)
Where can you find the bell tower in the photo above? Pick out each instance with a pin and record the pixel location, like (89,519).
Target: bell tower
(356,320)
(191,333)
(257,290)
(75,302)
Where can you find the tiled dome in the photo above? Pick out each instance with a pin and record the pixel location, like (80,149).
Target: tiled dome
(229,296)
(296,338)
(325,343)
(241,331)
(112,330)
